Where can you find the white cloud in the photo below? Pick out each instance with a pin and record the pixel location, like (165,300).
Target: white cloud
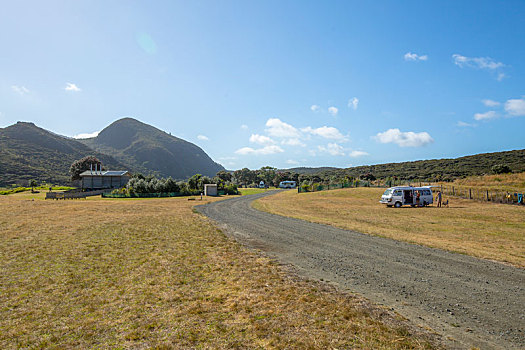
(315,108)
(328,132)
(333,149)
(355,154)
(86,135)
(409,56)
(72,87)
(293,142)
(271,149)
(292,162)
(244,127)
(22,90)
(333,110)
(485,63)
(464,125)
(203,138)
(404,139)
(515,107)
(278,128)
(261,139)
(353,102)
(490,103)
(486,115)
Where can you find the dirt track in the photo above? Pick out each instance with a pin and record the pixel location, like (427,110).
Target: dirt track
(471,302)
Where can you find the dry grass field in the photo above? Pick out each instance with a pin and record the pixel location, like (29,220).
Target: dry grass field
(485,230)
(151,273)
(501,182)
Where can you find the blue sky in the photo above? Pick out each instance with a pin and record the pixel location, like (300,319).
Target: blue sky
(279,83)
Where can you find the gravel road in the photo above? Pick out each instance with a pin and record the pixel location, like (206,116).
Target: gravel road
(469,301)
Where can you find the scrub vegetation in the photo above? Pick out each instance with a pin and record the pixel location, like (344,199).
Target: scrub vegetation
(485,230)
(151,273)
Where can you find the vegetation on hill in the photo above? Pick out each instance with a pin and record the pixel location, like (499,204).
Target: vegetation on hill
(29,152)
(149,150)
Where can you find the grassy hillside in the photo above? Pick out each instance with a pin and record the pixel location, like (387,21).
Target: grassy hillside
(29,152)
(152,151)
(439,169)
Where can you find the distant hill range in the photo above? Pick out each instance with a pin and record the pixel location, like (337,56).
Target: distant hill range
(29,152)
(433,169)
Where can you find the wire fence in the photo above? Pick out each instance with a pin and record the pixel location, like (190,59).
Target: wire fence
(465,192)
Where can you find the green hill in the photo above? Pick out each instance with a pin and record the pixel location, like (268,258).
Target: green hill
(438,169)
(149,150)
(29,152)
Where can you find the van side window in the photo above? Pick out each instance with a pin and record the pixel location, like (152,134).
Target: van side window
(426,192)
(397,193)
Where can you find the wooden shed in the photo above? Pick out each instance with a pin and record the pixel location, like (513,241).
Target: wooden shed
(97,180)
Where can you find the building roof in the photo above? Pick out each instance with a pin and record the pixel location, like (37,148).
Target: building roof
(105,173)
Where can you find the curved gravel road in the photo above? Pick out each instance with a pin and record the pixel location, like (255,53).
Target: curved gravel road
(469,301)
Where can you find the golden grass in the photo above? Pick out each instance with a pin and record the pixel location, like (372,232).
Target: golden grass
(150,273)
(501,182)
(485,230)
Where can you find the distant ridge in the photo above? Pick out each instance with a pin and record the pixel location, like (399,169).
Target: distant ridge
(29,152)
(149,150)
(445,169)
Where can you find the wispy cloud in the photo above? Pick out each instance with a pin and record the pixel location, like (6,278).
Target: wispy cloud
(22,90)
(404,139)
(515,107)
(464,125)
(261,139)
(293,142)
(328,132)
(486,115)
(409,56)
(244,127)
(72,87)
(490,103)
(333,149)
(353,102)
(314,108)
(202,137)
(277,128)
(292,162)
(355,154)
(271,149)
(484,63)
(333,110)
(86,135)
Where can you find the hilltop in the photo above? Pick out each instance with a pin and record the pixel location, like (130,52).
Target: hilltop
(149,150)
(29,152)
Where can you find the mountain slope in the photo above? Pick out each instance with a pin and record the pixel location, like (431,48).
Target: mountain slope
(29,152)
(152,151)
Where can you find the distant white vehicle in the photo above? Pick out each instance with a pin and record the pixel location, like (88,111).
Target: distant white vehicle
(407,195)
(262,185)
(287,184)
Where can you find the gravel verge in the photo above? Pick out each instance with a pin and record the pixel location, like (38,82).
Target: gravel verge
(469,301)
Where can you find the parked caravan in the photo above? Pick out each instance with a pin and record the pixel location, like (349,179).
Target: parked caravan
(287,184)
(407,195)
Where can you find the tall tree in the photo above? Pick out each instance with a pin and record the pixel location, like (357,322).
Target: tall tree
(81,165)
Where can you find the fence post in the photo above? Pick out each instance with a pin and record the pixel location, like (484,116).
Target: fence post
(470,193)
(487,195)
(453,191)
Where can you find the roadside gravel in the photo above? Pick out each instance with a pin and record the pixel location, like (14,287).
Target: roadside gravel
(469,301)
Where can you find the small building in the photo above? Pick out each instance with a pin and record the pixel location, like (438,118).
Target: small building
(98,180)
(210,189)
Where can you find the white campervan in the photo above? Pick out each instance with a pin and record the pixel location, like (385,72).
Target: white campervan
(287,184)
(407,195)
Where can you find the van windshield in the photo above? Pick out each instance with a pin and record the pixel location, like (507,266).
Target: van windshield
(388,192)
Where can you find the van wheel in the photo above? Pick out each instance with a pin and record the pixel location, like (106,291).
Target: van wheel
(397,205)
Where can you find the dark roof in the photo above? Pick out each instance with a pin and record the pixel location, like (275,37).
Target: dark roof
(105,173)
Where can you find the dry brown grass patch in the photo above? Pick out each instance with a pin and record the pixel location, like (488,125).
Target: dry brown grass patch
(151,273)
